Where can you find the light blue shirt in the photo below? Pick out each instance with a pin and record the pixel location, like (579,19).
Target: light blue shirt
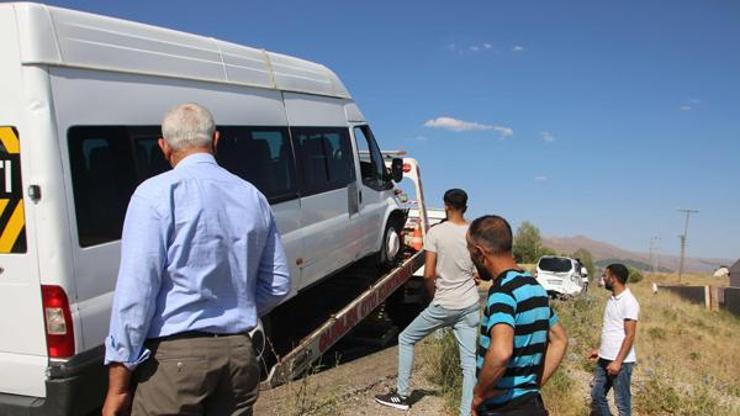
(200,251)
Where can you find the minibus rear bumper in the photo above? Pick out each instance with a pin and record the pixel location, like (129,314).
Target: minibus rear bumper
(75,387)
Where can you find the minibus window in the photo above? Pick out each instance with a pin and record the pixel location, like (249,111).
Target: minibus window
(262,156)
(148,156)
(325,158)
(372,168)
(107,163)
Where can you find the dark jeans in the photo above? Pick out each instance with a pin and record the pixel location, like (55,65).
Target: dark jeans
(603,382)
(529,405)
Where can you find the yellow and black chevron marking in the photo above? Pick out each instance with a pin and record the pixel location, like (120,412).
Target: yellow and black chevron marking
(9,139)
(12,216)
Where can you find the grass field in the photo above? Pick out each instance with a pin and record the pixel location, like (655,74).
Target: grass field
(688,358)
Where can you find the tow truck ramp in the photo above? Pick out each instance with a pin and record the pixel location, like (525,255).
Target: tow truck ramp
(314,345)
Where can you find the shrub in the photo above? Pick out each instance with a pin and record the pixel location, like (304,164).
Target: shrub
(586,260)
(657,396)
(635,276)
(527,243)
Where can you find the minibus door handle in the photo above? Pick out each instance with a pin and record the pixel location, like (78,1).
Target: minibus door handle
(359,193)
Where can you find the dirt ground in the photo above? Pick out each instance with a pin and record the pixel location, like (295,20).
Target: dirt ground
(349,389)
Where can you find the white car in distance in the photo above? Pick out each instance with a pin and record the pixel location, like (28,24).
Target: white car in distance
(560,276)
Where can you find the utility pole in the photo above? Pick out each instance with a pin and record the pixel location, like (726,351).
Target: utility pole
(683,237)
(654,253)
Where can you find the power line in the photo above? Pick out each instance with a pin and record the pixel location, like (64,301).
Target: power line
(683,238)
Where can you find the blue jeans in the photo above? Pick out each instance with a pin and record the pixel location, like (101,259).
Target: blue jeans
(603,382)
(464,323)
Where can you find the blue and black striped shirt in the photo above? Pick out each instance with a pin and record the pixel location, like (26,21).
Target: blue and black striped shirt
(517,300)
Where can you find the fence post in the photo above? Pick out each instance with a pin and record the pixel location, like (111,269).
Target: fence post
(707,298)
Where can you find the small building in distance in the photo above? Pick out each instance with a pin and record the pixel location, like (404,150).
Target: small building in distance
(735,274)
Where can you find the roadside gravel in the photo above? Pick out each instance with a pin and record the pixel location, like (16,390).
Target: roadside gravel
(349,389)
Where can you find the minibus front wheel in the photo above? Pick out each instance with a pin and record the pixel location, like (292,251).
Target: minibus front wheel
(390,249)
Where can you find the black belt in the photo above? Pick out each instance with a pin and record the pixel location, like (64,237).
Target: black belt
(194,334)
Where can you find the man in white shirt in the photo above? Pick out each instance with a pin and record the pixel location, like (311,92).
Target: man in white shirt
(616,356)
(450,276)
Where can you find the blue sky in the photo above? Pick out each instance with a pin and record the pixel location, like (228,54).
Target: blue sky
(585,117)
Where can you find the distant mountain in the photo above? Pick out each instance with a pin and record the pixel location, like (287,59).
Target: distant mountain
(631,263)
(604,251)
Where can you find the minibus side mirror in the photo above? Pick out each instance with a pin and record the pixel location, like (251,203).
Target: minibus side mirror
(397,169)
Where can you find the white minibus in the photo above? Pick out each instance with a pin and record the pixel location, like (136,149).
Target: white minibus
(81,100)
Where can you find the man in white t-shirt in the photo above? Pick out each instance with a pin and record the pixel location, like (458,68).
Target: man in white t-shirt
(450,278)
(616,356)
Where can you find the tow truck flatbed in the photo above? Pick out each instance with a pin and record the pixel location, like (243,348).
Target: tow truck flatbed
(314,345)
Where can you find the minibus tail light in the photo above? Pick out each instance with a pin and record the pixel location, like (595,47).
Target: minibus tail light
(406,167)
(60,338)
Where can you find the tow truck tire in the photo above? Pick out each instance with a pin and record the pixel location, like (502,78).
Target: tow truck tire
(390,248)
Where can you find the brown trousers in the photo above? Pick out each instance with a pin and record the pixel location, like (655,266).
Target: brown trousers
(210,376)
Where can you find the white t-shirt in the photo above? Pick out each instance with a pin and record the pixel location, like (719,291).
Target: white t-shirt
(455,285)
(620,307)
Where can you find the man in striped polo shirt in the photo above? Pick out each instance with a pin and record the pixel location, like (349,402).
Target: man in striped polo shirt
(522,342)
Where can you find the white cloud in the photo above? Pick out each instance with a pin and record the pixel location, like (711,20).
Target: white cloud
(504,132)
(449,123)
(547,136)
(518,48)
(540,178)
(469,49)
(691,103)
(453,124)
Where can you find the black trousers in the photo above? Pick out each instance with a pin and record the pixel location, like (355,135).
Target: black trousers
(529,405)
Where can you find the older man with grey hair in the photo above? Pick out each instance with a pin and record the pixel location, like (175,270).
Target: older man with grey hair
(200,259)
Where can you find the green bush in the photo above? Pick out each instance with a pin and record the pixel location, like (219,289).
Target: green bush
(635,276)
(586,260)
(657,397)
(527,243)
(546,251)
